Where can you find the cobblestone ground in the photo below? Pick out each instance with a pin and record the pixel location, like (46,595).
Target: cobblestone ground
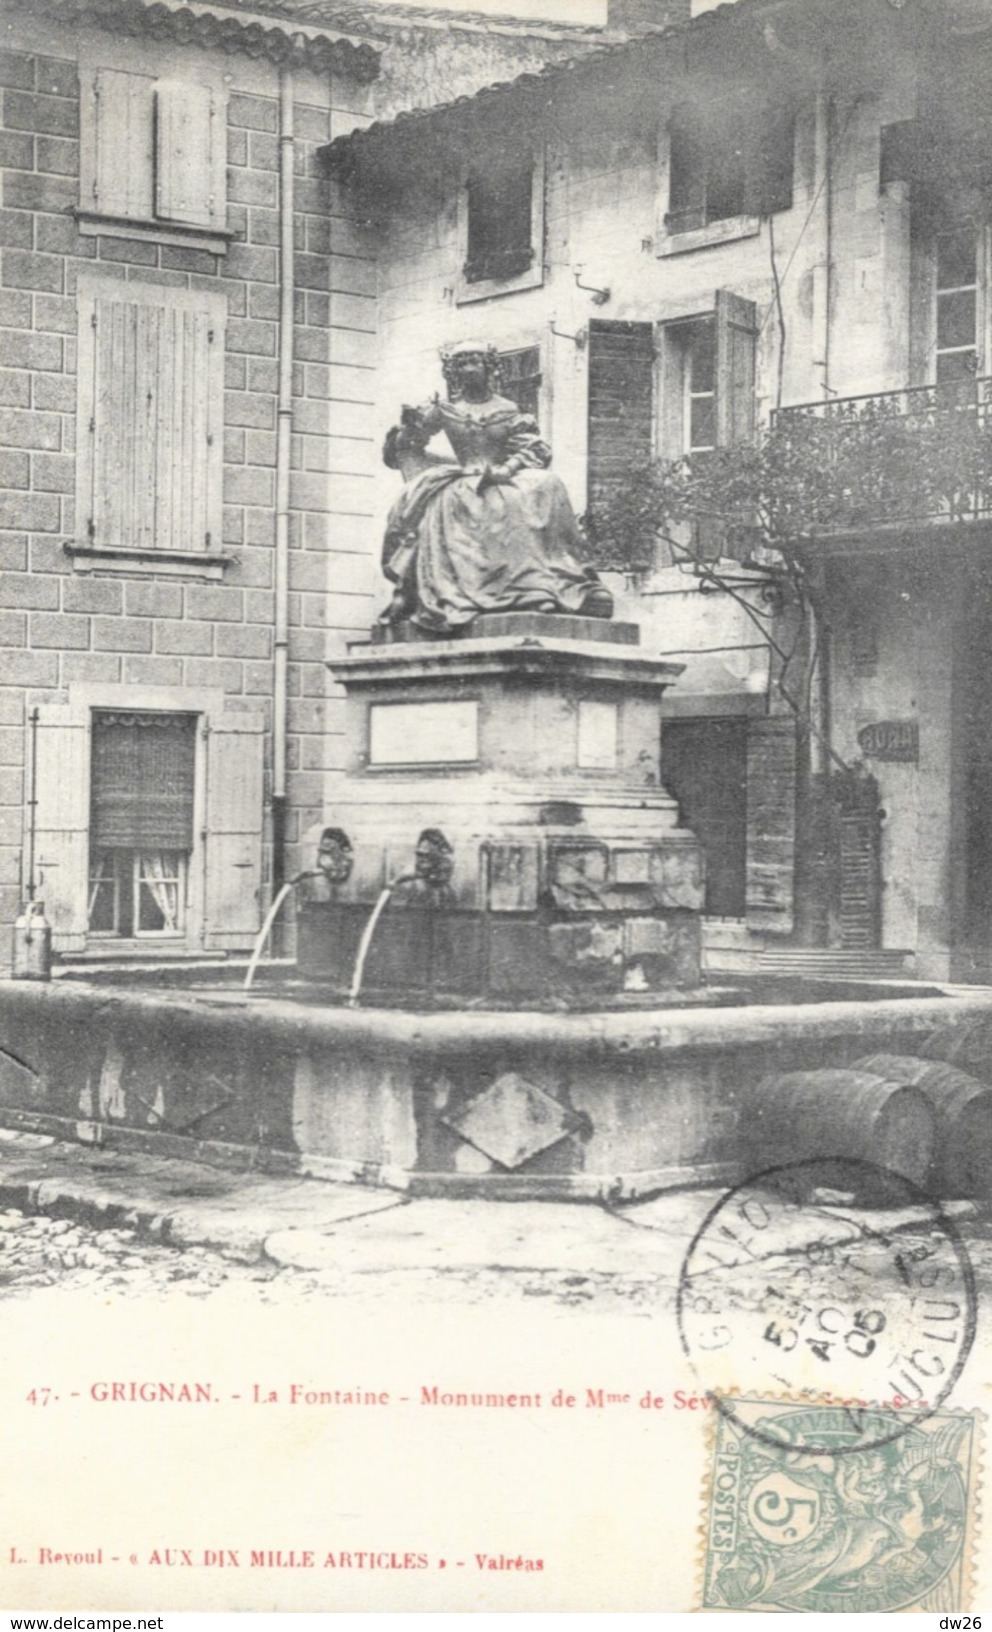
(42,1256)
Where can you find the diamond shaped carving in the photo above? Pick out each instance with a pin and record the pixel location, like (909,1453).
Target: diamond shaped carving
(511,1120)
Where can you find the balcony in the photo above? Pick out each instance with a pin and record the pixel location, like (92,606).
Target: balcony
(894,459)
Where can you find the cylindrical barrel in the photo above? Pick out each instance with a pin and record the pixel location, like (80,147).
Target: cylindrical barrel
(968,1046)
(962,1164)
(844,1113)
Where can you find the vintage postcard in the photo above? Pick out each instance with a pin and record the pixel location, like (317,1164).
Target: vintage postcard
(495,857)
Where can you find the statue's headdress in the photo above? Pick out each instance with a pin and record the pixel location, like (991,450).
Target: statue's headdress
(452,356)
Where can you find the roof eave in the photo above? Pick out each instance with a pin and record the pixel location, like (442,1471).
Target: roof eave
(252,33)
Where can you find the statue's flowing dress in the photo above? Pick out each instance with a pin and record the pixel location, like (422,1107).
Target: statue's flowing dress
(459,551)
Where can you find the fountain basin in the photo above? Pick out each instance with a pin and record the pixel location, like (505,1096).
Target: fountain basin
(506,1105)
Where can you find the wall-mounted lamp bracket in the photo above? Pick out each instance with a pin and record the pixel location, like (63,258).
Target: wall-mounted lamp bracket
(599,296)
(578,340)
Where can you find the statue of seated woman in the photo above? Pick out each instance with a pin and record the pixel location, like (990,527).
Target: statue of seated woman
(494,532)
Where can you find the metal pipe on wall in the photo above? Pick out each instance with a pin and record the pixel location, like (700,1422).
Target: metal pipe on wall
(284,426)
(824,148)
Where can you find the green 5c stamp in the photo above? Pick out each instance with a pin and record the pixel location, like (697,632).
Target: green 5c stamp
(885,1524)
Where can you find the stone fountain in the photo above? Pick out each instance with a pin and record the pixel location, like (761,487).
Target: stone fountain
(498,984)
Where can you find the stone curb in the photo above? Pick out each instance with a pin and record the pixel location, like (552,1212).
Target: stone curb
(179,1228)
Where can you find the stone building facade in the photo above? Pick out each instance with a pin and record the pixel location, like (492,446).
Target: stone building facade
(747,226)
(157,631)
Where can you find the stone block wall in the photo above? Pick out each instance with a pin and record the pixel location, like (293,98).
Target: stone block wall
(59,626)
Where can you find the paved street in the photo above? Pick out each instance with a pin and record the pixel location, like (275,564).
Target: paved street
(122,1226)
(39,1255)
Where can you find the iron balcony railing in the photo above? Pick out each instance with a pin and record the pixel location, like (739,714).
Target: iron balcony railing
(920,453)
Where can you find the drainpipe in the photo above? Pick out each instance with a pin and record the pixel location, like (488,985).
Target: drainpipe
(284,425)
(814,865)
(819,699)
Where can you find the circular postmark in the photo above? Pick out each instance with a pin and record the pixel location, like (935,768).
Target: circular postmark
(790,1287)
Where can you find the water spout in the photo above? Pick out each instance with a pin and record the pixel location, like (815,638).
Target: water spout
(270,918)
(367,934)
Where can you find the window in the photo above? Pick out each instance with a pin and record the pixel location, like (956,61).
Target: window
(521,376)
(501,224)
(708,378)
(152,151)
(141,823)
(956,350)
(148,818)
(149,425)
(696,342)
(727,163)
(499,215)
(668,390)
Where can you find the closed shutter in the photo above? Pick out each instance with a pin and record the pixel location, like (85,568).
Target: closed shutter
(621,391)
(736,332)
(143,781)
(859,862)
(61,818)
(233,840)
(150,434)
(116,119)
(771,824)
(189,154)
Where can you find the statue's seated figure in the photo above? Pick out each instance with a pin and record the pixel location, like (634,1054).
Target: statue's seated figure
(494,532)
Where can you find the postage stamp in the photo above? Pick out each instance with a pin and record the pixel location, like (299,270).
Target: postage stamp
(791,1286)
(884,1523)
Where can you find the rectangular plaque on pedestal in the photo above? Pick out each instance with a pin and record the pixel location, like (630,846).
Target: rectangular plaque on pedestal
(424,733)
(598,736)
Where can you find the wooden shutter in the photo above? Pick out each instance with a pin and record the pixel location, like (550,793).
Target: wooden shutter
(190,180)
(150,434)
(61,822)
(233,822)
(771,823)
(859,861)
(736,332)
(116,119)
(621,391)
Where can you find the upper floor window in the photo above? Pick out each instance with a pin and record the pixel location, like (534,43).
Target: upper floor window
(502,224)
(949,307)
(956,328)
(727,165)
(696,342)
(521,376)
(678,388)
(153,151)
(708,378)
(149,423)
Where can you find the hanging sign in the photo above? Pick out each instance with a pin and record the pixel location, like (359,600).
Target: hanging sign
(892,740)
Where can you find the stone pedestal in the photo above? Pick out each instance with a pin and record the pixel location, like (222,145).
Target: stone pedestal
(512,778)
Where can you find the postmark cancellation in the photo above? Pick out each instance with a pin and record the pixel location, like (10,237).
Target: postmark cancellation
(820,1507)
